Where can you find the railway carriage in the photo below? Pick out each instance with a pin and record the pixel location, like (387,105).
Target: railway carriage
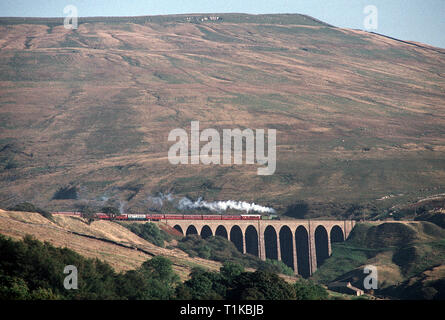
(212,217)
(192,217)
(230,217)
(155,217)
(250,217)
(101,215)
(174,217)
(137,217)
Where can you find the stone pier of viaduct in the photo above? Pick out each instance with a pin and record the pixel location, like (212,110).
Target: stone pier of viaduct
(301,244)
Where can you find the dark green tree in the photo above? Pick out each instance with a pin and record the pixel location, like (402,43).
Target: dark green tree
(160,268)
(230,270)
(111,212)
(87,212)
(13,288)
(308,290)
(202,285)
(150,232)
(260,285)
(30,269)
(159,278)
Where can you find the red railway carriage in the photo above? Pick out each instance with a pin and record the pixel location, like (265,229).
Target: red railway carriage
(211,217)
(102,216)
(230,217)
(250,217)
(192,217)
(174,217)
(155,217)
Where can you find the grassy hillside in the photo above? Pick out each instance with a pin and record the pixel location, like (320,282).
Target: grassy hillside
(358,116)
(104,240)
(409,258)
(32,270)
(125,246)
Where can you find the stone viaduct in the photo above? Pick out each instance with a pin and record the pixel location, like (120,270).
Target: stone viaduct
(301,244)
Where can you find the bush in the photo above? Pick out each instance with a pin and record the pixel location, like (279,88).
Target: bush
(297,210)
(150,232)
(230,271)
(308,290)
(278,266)
(202,285)
(112,212)
(155,279)
(260,285)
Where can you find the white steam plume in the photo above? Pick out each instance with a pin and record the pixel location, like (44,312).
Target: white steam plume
(218,206)
(122,206)
(158,201)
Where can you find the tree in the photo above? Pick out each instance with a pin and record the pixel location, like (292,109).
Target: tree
(150,232)
(160,267)
(262,285)
(13,288)
(133,285)
(308,290)
(160,277)
(276,266)
(202,285)
(44,294)
(88,213)
(230,270)
(111,212)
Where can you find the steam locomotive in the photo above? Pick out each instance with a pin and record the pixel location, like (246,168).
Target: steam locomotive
(158,217)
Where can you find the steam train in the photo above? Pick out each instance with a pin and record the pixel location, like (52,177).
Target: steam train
(158,217)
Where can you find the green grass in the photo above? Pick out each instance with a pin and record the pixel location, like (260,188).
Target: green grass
(411,249)
(344,258)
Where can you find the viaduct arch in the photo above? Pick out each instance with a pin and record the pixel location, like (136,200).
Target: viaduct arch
(303,245)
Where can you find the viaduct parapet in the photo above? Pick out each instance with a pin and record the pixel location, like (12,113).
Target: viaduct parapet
(301,244)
